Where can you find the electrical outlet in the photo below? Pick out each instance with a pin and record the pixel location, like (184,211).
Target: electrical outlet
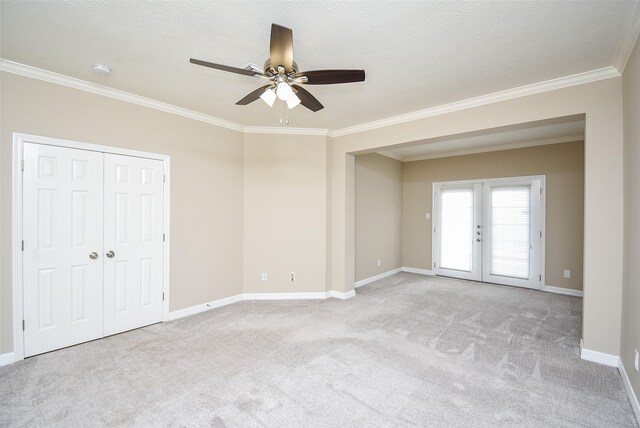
(378,262)
(292,276)
(567,274)
(635,361)
(264,276)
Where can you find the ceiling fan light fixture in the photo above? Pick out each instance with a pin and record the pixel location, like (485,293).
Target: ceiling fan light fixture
(284,91)
(292,101)
(269,97)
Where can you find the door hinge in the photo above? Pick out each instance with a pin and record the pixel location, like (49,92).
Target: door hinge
(540,277)
(164,238)
(541,234)
(541,190)
(434,264)
(164,178)
(22,165)
(22,245)
(163,296)
(22,325)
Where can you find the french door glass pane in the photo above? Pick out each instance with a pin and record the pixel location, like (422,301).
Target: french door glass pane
(457,229)
(510,226)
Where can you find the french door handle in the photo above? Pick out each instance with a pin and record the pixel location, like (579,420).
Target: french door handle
(93,255)
(110,254)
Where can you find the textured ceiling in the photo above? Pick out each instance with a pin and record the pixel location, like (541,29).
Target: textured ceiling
(416,54)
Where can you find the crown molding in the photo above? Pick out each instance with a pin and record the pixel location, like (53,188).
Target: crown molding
(391,155)
(509,94)
(285,131)
(82,85)
(496,148)
(629,37)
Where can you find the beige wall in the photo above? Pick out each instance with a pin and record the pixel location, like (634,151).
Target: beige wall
(285,213)
(207,260)
(630,337)
(601,102)
(563,165)
(378,199)
(206,181)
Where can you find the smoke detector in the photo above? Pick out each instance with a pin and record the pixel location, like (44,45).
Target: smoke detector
(101,69)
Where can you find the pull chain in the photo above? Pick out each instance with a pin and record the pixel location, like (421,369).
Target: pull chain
(282,118)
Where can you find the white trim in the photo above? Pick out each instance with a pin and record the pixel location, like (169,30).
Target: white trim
(16,249)
(376,277)
(509,94)
(285,296)
(319,295)
(562,290)
(16,223)
(629,36)
(418,271)
(391,155)
(341,295)
(599,357)
(82,85)
(285,131)
(166,275)
(522,145)
(633,399)
(535,88)
(6,359)
(192,310)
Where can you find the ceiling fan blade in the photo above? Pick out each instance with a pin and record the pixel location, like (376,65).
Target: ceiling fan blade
(330,77)
(281,47)
(308,100)
(223,67)
(252,96)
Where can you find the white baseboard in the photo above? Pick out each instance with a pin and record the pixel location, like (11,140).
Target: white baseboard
(376,277)
(6,359)
(340,295)
(285,296)
(562,290)
(418,271)
(599,357)
(174,315)
(633,399)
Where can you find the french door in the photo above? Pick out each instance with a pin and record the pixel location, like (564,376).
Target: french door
(93,245)
(489,230)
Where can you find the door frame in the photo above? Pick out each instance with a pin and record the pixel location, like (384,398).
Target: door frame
(543,215)
(19,139)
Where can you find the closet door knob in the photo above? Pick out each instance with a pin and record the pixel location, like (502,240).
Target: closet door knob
(110,254)
(93,255)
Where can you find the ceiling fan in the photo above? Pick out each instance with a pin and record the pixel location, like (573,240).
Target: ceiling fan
(283,77)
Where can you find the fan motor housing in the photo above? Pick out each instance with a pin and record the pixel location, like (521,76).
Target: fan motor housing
(270,70)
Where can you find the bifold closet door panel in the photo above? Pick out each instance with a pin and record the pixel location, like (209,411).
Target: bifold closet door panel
(133,242)
(63,254)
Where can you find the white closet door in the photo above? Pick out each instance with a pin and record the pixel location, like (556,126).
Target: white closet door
(62,262)
(133,242)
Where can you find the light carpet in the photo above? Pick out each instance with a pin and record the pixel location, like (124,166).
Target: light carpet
(407,350)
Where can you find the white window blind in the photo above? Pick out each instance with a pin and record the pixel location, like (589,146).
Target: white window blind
(456,225)
(510,226)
